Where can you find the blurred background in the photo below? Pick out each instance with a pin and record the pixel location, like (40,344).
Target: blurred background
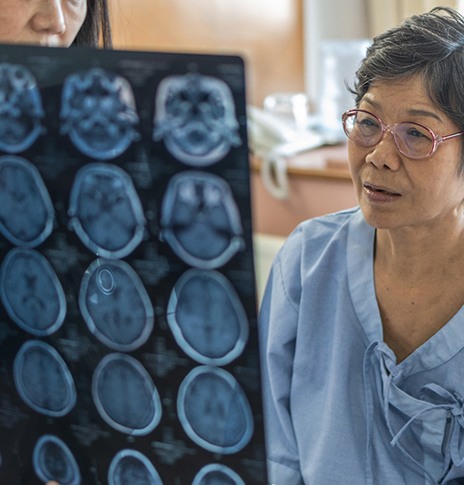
(299,55)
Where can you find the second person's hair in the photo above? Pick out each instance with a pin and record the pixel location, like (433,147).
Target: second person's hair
(96,29)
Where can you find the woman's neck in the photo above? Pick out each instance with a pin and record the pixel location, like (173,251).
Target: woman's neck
(418,283)
(415,253)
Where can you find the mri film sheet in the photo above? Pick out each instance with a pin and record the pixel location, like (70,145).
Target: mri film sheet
(128,339)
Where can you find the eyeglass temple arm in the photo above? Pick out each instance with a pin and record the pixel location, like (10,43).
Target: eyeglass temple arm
(447,137)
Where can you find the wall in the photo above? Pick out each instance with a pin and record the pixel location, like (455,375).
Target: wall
(267,33)
(329,20)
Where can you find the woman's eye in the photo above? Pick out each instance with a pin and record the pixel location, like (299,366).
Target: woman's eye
(416,133)
(367,123)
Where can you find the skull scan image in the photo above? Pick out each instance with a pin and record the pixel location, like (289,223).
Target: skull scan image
(98,113)
(200,220)
(21,109)
(31,292)
(195,116)
(26,210)
(105,210)
(130,467)
(214,411)
(43,379)
(206,317)
(217,474)
(115,305)
(125,396)
(53,460)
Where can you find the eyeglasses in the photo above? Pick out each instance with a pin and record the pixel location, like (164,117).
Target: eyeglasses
(413,140)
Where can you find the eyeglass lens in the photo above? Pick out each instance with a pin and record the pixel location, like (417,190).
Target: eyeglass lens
(412,140)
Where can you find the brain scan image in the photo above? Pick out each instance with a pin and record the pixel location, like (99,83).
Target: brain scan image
(217,474)
(53,460)
(98,113)
(31,292)
(206,317)
(200,220)
(26,210)
(125,395)
(43,380)
(130,467)
(115,305)
(105,210)
(214,411)
(195,116)
(21,109)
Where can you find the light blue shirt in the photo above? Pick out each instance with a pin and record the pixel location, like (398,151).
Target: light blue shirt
(338,408)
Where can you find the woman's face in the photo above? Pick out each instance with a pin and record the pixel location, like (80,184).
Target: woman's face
(43,22)
(393,190)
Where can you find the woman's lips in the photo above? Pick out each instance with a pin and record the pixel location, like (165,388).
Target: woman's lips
(377,193)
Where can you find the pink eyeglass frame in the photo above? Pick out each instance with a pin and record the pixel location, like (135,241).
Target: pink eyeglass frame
(437,139)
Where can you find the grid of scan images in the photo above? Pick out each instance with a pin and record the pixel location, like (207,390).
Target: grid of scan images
(128,342)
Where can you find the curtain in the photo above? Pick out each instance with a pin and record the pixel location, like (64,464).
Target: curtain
(383,14)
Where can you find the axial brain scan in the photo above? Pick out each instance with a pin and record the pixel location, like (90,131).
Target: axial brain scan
(195,116)
(125,395)
(99,113)
(217,474)
(128,336)
(105,210)
(31,292)
(20,108)
(26,210)
(53,460)
(207,318)
(214,411)
(43,379)
(200,219)
(130,467)
(115,305)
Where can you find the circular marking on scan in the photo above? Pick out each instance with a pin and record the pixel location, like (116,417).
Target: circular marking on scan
(115,305)
(98,113)
(26,210)
(195,116)
(43,379)
(31,292)
(200,220)
(21,108)
(130,467)
(214,411)
(125,395)
(53,460)
(206,317)
(105,211)
(217,474)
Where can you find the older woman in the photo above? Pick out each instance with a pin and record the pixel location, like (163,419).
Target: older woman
(362,324)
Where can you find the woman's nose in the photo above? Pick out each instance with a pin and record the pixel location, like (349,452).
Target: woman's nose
(49,17)
(385,154)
